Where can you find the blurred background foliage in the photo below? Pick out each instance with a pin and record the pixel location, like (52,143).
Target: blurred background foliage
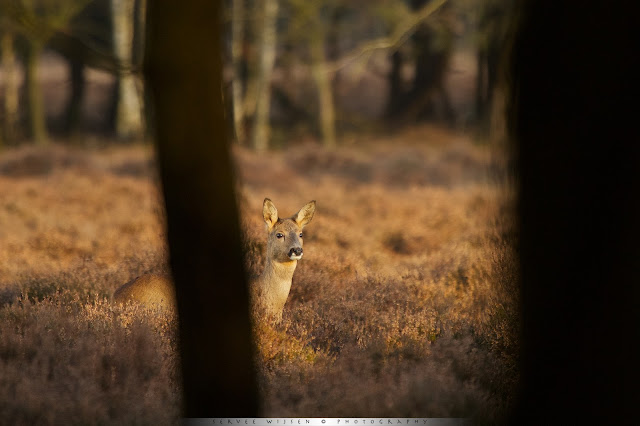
(294,69)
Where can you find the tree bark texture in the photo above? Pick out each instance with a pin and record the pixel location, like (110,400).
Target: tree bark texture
(184,71)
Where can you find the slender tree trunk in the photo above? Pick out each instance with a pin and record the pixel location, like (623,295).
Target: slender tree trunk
(184,71)
(265,70)
(250,72)
(140,31)
(325,93)
(128,109)
(37,118)
(396,93)
(10,104)
(74,107)
(481,85)
(237,41)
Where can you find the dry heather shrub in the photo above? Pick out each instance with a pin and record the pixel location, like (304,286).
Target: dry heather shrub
(436,338)
(75,226)
(370,383)
(68,360)
(407,293)
(405,303)
(77,216)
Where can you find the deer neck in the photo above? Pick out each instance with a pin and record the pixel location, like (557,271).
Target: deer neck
(276,281)
(279,273)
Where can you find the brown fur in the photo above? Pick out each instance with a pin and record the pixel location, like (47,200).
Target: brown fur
(269,292)
(149,290)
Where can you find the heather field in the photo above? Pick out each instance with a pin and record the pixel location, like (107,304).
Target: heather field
(404,305)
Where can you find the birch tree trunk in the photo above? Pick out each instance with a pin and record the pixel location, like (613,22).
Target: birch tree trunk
(129,107)
(237,40)
(265,70)
(10,102)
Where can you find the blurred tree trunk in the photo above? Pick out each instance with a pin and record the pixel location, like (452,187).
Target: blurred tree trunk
(310,18)
(184,71)
(396,87)
(487,86)
(481,84)
(265,70)
(427,97)
(237,42)
(38,22)
(249,72)
(74,106)
(574,78)
(37,118)
(322,79)
(492,28)
(10,104)
(139,35)
(129,123)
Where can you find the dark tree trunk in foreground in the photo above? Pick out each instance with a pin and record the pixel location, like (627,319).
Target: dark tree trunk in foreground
(575,84)
(183,69)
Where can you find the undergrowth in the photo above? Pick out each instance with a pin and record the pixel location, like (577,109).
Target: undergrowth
(405,304)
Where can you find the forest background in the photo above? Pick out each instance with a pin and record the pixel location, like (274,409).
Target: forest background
(388,113)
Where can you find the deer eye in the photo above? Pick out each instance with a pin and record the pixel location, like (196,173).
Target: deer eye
(301,235)
(279,235)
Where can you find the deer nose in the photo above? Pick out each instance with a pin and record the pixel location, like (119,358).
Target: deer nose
(296,251)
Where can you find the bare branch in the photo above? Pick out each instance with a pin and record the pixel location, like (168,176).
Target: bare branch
(400,35)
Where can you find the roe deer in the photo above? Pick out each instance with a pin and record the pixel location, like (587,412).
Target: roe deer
(284,249)
(269,292)
(149,290)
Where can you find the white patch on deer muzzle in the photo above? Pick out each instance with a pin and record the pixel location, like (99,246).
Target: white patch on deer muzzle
(295,257)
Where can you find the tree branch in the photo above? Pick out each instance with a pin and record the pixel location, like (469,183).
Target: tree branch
(399,36)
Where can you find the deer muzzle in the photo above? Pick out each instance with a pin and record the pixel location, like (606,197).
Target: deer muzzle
(295,253)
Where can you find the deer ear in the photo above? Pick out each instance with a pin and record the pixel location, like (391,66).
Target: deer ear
(304,216)
(269,212)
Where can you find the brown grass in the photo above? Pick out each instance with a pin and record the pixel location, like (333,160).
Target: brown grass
(404,305)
